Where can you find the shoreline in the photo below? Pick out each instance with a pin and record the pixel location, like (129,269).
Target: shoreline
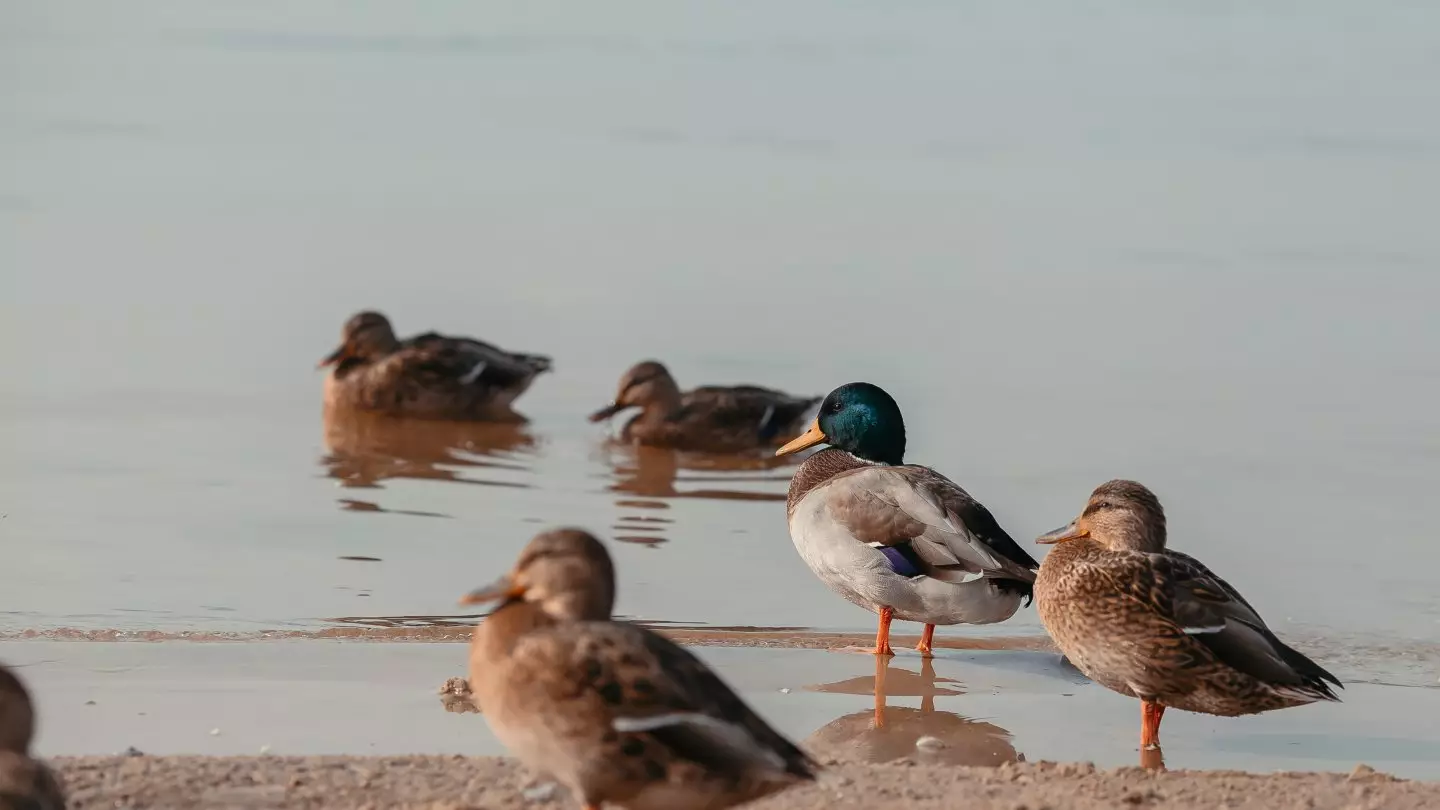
(758,637)
(495,783)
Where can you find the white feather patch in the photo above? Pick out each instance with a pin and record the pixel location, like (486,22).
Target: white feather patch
(730,736)
(473,374)
(1202,630)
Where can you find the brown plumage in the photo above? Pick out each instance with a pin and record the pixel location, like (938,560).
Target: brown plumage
(429,376)
(609,709)
(717,419)
(25,783)
(1157,624)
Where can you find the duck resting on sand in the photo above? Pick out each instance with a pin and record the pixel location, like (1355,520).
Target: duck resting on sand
(1158,625)
(25,783)
(611,710)
(429,376)
(712,418)
(897,539)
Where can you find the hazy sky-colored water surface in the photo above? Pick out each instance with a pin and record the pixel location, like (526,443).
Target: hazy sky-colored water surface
(1196,247)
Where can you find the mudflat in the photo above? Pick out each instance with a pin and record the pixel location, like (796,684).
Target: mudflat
(453,782)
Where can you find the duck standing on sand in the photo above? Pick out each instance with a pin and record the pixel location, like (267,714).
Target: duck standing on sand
(25,783)
(897,539)
(429,376)
(1158,625)
(613,711)
(713,418)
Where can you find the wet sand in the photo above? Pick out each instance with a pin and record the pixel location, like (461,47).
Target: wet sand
(499,784)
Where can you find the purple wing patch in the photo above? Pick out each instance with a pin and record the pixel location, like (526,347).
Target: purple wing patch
(903,560)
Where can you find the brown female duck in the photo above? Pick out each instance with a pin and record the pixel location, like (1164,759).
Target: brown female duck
(429,376)
(717,419)
(1158,625)
(609,709)
(24,782)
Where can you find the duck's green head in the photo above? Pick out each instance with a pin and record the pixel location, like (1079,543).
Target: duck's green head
(861,419)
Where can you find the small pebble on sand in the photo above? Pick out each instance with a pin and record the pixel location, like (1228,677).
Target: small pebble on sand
(785,690)
(214,732)
(543,792)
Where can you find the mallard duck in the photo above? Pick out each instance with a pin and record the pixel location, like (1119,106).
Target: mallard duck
(612,711)
(429,376)
(713,418)
(897,539)
(1158,625)
(24,782)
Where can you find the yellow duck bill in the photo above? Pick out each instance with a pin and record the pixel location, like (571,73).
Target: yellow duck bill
(809,438)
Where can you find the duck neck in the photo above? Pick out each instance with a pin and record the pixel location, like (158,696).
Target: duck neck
(509,622)
(1137,534)
(820,468)
(663,400)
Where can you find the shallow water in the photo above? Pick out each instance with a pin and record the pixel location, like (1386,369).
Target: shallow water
(981,707)
(1193,247)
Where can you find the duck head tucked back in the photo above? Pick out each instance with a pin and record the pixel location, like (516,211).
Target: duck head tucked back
(859,418)
(1121,516)
(566,574)
(366,336)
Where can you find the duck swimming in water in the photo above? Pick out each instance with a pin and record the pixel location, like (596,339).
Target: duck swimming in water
(712,418)
(429,376)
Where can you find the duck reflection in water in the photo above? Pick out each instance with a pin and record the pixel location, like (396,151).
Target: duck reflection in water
(890,733)
(366,449)
(646,478)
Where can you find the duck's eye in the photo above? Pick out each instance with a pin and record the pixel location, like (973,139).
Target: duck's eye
(835,407)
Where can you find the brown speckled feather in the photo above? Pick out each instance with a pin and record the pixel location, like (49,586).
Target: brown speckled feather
(570,682)
(613,711)
(431,376)
(1163,627)
(26,784)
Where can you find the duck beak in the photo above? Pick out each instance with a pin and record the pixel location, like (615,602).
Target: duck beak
(333,358)
(1069,531)
(502,588)
(809,438)
(606,412)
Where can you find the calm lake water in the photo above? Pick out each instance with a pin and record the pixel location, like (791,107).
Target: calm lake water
(1196,247)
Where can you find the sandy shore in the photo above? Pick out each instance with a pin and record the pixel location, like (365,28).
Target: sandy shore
(455,782)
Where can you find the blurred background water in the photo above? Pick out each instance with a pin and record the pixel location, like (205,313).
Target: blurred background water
(1192,246)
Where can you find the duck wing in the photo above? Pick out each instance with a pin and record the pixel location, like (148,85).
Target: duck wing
(658,695)
(763,412)
(1211,611)
(927,518)
(450,362)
